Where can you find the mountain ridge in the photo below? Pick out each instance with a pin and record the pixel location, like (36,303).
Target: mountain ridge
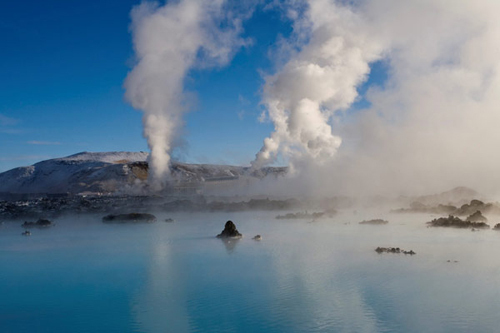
(111,172)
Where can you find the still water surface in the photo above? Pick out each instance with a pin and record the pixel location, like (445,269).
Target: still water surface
(85,276)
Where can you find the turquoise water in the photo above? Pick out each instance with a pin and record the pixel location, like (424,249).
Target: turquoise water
(85,276)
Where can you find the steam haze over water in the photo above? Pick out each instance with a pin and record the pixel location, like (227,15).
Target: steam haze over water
(324,276)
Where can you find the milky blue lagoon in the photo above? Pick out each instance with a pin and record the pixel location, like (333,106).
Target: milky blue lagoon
(86,276)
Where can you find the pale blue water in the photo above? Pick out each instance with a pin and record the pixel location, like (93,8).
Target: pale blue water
(85,276)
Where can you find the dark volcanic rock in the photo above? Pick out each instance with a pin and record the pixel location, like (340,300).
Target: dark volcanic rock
(374,222)
(129,218)
(497,226)
(252,204)
(477,217)
(475,205)
(464,210)
(229,231)
(306,215)
(393,250)
(418,207)
(456,222)
(41,223)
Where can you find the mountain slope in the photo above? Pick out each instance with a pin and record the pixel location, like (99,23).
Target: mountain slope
(112,171)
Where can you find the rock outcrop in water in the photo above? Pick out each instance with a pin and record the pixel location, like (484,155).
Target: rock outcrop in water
(26,233)
(41,223)
(306,215)
(418,207)
(475,205)
(477,217)
(497,226)
(129,218)
(374,222)
(393,250)
(229,231)
(464,210)
(456,222)
(257,237)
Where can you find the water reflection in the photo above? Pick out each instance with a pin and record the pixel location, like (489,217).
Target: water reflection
(230,244)
(160,305)
(319,277)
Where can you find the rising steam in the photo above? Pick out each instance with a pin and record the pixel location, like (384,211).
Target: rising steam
(170,40)
(434,124)
(318,80)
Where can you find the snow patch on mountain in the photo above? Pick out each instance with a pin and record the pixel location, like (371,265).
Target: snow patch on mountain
(119,157)
(111,172)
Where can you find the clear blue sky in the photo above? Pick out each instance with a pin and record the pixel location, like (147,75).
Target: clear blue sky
(62,66)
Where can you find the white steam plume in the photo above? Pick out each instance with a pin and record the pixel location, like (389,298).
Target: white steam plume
(432,126)
(318,80)
(170,40)
(435,124)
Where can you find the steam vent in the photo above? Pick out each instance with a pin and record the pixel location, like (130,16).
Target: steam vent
(229,231)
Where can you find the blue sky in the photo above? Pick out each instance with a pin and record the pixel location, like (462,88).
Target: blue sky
(62,67)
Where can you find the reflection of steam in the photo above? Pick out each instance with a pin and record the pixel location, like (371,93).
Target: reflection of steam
(313,286)
(230,244)
(162,303)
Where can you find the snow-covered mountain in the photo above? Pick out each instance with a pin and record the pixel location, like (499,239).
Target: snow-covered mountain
(110,172)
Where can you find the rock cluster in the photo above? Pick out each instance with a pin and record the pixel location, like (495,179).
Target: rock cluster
(41,223)
(229,231)
(307,215)
(393,250)
(464,210)
(477,217)
(129,218)
(374,222)
(456,222)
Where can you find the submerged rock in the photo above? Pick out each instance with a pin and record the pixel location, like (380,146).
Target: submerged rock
(26,233)
(129,218)
(456,222)
(229,231)
(477,217)
(169,220)
(393,250)
(374,222)
(41,223)
(257,237)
